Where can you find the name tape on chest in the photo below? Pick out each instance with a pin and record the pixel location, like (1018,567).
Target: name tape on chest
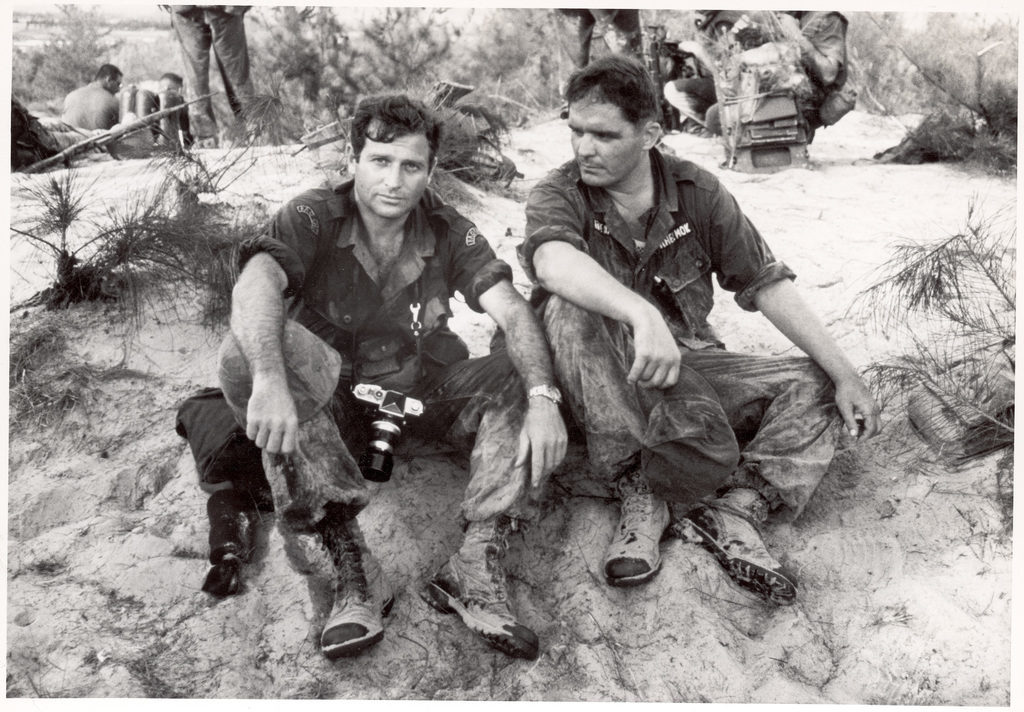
(679,231)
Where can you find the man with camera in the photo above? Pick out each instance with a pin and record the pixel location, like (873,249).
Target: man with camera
(339,344)
(623,242)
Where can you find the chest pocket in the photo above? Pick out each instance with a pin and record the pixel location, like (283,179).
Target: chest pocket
(685,271)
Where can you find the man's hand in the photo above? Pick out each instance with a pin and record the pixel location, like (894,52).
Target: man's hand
(857,406)
(271,420)
(542,440)
(656,364)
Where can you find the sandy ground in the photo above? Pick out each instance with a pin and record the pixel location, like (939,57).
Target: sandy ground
(904,565)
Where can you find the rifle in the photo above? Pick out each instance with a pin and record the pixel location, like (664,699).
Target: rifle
(109,136)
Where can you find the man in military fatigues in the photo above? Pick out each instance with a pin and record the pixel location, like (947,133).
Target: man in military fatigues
(366,271)
(623,242)
(589,23)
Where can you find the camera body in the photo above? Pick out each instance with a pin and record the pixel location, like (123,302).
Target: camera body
(392,408)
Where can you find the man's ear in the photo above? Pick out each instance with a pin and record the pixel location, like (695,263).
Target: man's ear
(651,133)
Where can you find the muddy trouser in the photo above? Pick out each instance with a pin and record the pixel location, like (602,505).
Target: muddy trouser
(481,397)
(197,30)
(782,408)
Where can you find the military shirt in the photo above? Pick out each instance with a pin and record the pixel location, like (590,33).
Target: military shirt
(696,229)
(314,238)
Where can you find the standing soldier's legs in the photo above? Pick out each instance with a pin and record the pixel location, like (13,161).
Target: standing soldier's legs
(581,24)
(195,38)
(232,54)
(318,489)
(654,445)
(627,26)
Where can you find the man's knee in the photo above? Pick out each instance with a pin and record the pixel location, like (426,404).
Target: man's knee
(311,366)
(566,322)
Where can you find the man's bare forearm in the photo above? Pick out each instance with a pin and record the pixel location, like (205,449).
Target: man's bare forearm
(257,315)
(577,277)
(524,336)
(783,306)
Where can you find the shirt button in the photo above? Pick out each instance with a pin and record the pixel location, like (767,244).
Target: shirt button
(384,347)
(347,319)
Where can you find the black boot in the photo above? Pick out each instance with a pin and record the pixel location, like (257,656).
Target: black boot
(231,515)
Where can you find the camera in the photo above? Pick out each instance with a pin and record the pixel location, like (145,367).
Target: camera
(392,409)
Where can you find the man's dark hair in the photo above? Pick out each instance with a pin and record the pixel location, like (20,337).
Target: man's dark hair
(172,77)
(107,72)
(387,117)
(617,80)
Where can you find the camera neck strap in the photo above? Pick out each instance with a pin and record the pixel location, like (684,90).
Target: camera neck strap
(416,325)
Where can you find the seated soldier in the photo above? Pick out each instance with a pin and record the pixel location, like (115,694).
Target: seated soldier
(623,242)
(95,105)
(145,98)
(822,41)
(350,287)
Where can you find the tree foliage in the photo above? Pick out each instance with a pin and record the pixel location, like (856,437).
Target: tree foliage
(70,59)
(954,302)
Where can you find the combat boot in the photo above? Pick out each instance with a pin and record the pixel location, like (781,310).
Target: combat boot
(355,621)
(231,515)
(472,584)
(633,556)
(728,527)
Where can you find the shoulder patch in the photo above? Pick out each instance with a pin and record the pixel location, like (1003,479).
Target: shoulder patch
(314,224)
(471,235)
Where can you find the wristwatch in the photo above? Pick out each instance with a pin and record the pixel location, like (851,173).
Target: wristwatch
(549,392)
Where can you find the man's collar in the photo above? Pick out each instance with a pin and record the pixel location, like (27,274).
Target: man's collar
(666,193)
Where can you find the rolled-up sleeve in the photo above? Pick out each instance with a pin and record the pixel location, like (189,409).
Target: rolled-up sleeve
(473,266)
(551,214)
(771,272)
(743,262)
(291,239)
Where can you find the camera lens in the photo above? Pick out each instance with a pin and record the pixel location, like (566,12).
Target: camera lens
(377,461)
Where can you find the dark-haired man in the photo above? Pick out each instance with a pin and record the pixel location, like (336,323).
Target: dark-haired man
(351,286)
(95,105)
(623,242)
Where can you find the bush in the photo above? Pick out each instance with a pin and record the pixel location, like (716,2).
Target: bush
(82,43)
(954,302)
